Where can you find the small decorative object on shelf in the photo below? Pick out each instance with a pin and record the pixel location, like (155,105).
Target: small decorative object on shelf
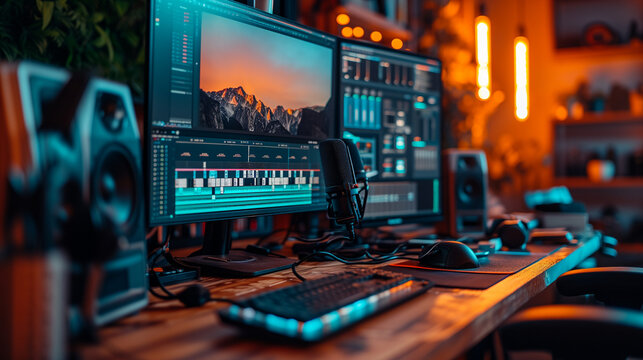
(600,170)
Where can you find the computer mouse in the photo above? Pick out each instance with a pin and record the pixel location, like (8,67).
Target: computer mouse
(448,255)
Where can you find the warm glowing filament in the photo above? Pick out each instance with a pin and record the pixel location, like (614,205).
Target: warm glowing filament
(358,31)
(376,36)
(397,43)
(483,77)
(521,68)
(347,31)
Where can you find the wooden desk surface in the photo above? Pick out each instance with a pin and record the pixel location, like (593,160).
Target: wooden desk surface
(441,324)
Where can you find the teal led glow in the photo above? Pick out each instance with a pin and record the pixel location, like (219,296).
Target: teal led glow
(360,308)
(394,221)
(234,311)
(400,167)
(420,105)
(333,320)
(436,195)
(399,143)
(418,144)
(312,330)
(276,324)
(351,136)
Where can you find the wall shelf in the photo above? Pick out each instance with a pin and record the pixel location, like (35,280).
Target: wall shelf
(584,183)
(633,48)
(608,117)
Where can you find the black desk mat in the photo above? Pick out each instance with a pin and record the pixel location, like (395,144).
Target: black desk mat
(497,267)
(451,279)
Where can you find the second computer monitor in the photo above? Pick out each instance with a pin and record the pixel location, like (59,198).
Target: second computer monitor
(390,107)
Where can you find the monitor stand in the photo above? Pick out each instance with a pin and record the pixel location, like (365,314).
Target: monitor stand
(217,259)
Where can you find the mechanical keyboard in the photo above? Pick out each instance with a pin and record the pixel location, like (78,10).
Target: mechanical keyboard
(317,308)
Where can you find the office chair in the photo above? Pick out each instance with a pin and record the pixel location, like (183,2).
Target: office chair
(613,286)
(585,331)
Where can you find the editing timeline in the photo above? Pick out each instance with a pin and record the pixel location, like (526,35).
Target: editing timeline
(391,110)
(222,175)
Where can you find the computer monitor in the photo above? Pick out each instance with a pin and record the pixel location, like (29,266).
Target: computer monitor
(390,107)
(238,101)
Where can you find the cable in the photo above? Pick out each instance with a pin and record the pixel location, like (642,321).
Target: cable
(189,295)
(267,236)
(313,240)
(373,261)
(151,233)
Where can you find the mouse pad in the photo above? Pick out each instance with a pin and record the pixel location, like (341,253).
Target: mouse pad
(447,279)
(500,263)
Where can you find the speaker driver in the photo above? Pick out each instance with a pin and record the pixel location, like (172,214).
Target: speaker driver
(114,185)
(471,190)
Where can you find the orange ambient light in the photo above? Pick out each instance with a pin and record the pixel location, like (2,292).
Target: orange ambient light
(483,52)
(347,31)
(376,36)
(521,68)
(343,19)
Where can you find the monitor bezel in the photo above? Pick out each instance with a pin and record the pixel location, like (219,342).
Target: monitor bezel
(147,126)
(407,218)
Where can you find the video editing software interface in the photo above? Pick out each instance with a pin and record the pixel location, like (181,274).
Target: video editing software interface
(238,102)
(390,107)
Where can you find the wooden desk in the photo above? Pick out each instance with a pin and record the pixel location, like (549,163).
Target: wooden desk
(441,324)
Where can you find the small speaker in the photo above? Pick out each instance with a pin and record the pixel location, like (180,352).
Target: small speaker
(465,178)
(99,153)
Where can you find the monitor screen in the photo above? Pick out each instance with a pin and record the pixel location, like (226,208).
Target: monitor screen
(238,101)
(390,107)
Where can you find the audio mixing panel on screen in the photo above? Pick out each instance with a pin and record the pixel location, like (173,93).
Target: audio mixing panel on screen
(390,108)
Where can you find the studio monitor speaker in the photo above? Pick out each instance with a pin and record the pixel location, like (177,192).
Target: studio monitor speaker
(99,151)
(466,182)
(112,180)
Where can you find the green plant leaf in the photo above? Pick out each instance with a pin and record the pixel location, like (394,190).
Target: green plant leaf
(39,5)
(98,17)
(47,13)
(121,7)
(108,42)
(61,4)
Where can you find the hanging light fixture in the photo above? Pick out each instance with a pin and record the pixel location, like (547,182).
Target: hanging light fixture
(521,76)
(483,56)
(521,67)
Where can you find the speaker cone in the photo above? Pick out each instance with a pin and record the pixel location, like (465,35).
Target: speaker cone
(114,185)
(470,190)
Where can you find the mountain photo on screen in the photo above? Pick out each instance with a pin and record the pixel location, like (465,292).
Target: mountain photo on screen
(262,82)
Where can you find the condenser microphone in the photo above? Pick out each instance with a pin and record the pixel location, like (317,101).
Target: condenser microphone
(356,160)
(342,192)
(360,174)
